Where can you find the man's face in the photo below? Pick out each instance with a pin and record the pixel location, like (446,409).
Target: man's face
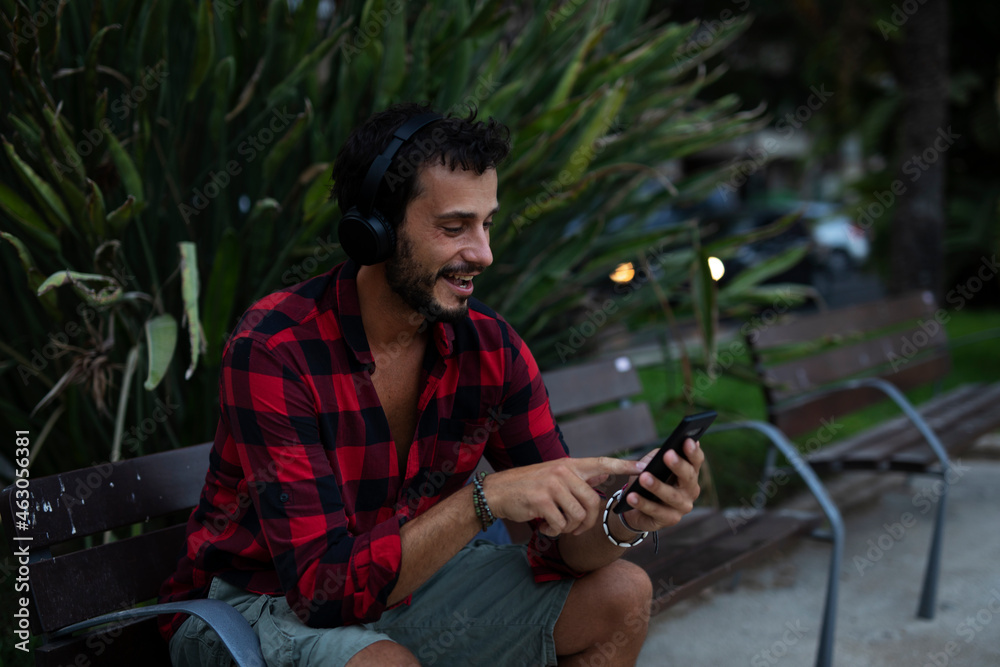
(444,241)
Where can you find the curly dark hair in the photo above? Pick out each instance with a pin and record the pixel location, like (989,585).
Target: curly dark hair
(453,141)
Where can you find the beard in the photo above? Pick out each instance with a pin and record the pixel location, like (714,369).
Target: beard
(408,278)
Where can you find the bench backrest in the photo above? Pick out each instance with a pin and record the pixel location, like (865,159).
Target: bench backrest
(612,384)
(70,583)
(902,340)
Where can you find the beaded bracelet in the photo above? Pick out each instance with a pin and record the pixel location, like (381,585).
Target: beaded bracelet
(607,531)
(483,512)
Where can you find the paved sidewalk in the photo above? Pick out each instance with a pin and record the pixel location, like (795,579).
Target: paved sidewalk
(773,616)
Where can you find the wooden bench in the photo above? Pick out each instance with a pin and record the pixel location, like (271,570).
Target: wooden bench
(71,591)
(595,407)
(822,366)
(73,588)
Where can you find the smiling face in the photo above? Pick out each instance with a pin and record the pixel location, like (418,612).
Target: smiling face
(444,241)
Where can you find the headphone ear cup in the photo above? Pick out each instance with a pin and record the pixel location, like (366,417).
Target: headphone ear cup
(366,239)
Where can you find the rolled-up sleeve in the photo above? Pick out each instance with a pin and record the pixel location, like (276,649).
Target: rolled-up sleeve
(330,575)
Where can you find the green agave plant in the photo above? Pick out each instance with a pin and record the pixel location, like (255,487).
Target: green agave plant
(166,163)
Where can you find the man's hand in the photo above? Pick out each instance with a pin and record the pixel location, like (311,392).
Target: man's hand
(560,493)
(675,501)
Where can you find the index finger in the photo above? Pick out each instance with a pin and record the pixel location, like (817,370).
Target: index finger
(601,465)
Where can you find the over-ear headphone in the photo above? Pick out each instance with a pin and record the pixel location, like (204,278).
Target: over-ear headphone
(364,233)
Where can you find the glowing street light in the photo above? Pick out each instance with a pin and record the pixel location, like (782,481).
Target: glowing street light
(623,273)
(716,268)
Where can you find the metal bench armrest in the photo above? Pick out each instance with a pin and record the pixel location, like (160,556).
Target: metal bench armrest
(234,630)
(824,652)
(781,442)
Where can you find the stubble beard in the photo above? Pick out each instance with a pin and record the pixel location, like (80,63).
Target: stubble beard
(407,278)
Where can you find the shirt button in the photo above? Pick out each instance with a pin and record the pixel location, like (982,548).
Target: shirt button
(283,497)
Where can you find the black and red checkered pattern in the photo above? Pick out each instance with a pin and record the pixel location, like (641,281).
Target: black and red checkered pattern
(303,495)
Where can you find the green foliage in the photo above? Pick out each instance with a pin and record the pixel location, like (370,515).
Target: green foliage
(167,163)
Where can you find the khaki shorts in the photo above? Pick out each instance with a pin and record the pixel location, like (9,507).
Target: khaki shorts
(482,608)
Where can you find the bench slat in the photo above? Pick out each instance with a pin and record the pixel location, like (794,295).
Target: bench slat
(844,321)
(890,428)
(959,436)
(117,644)
(955,422)
(896,430)
(798,417)
(683,574)
(91,500)
(607,432)
(678,541)
(873,356)
(588,385)
(88,583)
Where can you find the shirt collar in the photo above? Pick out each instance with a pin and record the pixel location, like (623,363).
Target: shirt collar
(348,308)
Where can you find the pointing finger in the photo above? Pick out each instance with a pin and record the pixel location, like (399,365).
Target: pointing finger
(600,465)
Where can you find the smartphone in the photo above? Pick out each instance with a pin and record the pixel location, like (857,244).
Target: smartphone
(692,426)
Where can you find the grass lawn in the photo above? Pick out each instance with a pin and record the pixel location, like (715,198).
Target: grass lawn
(736,458)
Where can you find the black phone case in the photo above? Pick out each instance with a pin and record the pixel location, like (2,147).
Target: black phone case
(692,426)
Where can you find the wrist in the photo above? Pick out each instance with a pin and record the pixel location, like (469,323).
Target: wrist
(627,525)
(615,529)
(620,530)
(481,506)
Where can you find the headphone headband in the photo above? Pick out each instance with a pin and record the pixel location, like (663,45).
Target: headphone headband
(364,234)
(381,164)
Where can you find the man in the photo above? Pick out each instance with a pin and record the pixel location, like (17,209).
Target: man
(354,407)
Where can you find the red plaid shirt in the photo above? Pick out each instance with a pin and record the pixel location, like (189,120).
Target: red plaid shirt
(303,496)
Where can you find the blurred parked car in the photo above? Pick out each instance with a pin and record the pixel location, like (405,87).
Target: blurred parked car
(834,245)
(839,244)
